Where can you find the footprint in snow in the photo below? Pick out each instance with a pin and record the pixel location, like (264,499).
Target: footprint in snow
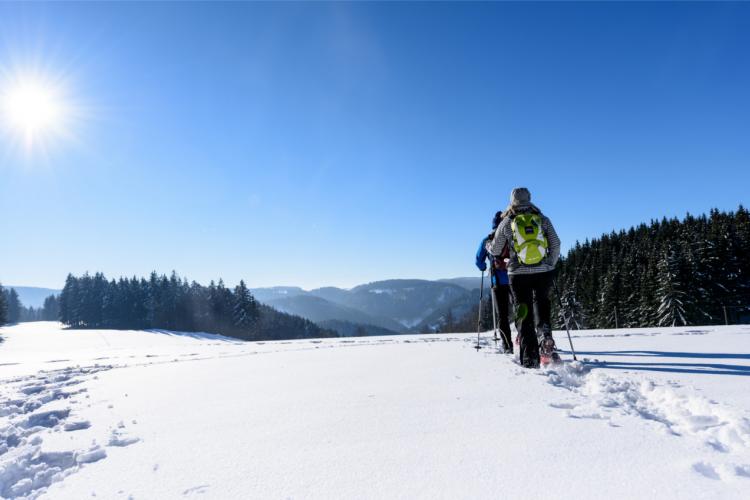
(563,406)
(706,470)
(76,426)
(26,469)
(199,490)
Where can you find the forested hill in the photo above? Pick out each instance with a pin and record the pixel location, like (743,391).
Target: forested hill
(173,303)
(669,272)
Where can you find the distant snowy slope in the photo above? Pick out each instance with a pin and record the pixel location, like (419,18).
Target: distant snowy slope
(468,283)
(332,294)
(407,301)
(276,292)
(348,329)
(649,413)
(318,309)
(398,305)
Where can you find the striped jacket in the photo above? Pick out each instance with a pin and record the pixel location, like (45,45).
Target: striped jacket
(504,236)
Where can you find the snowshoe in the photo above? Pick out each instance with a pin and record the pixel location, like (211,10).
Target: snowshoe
(547,354)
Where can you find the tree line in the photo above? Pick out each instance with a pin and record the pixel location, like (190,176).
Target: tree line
(173,303)
(13,311)
(694,271)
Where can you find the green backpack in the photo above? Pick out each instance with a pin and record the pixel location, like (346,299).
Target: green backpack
(529,240)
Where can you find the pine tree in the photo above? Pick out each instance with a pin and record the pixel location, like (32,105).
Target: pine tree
(66,301)
(245,310)
(51,309)
(572,310)
(3,307)
(610,301)
(14,306)
(670,294)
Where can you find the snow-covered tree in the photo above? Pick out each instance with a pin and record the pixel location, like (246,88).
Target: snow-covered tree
(245,310)
(670,293)
(572,310)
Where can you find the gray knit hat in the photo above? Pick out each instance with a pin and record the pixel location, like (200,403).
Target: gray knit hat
(520,196)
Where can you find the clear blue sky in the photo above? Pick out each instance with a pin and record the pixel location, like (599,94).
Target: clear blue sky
(336,144)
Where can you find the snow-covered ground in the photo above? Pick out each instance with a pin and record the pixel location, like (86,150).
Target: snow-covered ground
(652,413)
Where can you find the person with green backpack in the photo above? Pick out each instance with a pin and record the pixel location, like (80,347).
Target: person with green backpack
(534,250)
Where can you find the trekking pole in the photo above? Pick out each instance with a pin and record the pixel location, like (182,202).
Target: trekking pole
(565,318)
(479,317)
(494,315)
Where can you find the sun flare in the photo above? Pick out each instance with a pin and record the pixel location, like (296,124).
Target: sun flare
(33,110)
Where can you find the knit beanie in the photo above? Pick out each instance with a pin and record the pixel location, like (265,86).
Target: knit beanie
(520,197)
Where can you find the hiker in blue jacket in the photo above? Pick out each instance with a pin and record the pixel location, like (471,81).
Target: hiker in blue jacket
(499,281)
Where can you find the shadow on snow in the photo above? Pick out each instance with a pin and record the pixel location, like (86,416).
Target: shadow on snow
(671,367)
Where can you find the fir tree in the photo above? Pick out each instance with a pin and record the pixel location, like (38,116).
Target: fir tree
(572,310)
(51,309)
(14,306)
(3,307)
(245,310)
(670,293)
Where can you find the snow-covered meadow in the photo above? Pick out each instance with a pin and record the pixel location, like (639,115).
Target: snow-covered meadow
(649,413)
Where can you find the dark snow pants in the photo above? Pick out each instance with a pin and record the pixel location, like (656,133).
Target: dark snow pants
(528,288)
(502,295)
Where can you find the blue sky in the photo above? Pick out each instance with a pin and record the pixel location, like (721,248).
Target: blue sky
(336,144)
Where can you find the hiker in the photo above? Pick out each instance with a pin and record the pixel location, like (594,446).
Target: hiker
(499,282)
(534,250)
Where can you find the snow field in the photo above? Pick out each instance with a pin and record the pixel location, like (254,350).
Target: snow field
(647,413)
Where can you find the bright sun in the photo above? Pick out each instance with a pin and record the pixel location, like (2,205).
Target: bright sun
(33,110)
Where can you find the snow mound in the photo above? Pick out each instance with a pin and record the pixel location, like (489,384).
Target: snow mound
(615,399)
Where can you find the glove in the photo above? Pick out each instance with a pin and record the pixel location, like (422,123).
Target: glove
(482,266)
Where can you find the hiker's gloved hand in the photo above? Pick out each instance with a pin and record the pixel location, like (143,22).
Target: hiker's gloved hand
(482,266)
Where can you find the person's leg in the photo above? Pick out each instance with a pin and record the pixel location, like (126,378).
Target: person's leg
(542,285)
(524,295)
(502,293)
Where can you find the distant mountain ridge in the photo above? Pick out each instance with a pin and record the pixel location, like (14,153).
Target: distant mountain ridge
(32,296)
(397,305)
(318,309)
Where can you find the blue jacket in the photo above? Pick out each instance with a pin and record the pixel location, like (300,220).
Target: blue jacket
(500,276)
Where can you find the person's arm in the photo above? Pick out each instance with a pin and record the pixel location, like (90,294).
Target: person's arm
(553,242)
(482,256)
(500,239)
